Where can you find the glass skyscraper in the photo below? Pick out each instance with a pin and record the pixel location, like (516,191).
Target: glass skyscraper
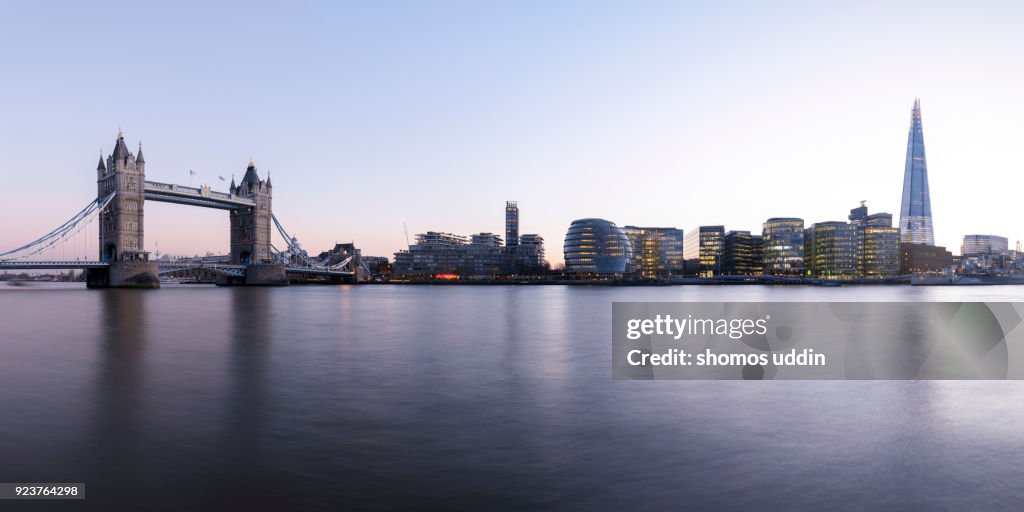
(916,211)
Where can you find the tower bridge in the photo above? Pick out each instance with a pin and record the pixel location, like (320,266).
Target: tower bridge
(119,208)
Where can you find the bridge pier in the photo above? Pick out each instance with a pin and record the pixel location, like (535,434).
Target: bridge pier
(124,274)
(266,275)
(256,275)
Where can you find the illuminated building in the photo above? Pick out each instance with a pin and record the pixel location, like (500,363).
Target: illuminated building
(742,254)
(916,210)
(878,241)
(702,250)
(657,252)
(596,246)
(831,250)
(783,246)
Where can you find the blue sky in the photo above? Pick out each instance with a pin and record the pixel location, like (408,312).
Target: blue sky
(434,113)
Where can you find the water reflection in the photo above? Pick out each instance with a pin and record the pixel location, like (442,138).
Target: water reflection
(245,402)
(119,399)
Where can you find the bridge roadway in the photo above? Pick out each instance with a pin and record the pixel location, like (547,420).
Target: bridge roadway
(193,196)
(164,268)
(51,265)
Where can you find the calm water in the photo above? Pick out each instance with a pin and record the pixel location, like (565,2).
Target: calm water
(327,398)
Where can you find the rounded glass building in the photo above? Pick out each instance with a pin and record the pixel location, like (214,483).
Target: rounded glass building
(596,246)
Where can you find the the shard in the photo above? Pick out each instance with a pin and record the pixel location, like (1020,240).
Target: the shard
(916,211)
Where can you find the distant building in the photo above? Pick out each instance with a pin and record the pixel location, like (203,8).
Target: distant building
(657,252)
(977,245)
(483,256)
(377,266)
(878,243)
(831,250)
(341,253)
(702,250)
(434,253)
(528,256)
(783,241)
(511,223)
(596,246)
(742,254)
(920,258)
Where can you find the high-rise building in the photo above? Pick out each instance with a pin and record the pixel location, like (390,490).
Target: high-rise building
(702,250)
(596,246)
(831,250)
(657,252)
(511,223)
(783,246)
(916,210)
(741,254)
(977,245)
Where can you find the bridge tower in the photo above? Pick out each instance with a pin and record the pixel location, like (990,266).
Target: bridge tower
(250,231)
(121,222)
(250,227)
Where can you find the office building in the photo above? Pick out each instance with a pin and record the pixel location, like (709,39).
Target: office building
(702,250)
(977,245)
(657,252)
(878,243)
(919,258)
(831,250)
(596,246)
(783,246)
(916,209)
(742,254)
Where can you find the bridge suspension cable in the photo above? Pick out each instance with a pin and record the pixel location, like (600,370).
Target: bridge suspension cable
(295,252)
(72,226)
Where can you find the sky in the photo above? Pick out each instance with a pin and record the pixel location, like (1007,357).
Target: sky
(374,116)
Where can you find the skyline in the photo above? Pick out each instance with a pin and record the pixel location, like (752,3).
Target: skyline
(654,115)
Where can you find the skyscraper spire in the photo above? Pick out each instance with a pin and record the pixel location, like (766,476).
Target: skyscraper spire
(916,210)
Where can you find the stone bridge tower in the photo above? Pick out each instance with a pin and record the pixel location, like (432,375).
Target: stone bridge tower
(250,227)
(121,222)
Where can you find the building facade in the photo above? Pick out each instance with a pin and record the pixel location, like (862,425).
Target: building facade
(702,250)
(878,243)
(916,208)
(511,223)
(919,258)
(831,250)
(657,252)
(742,254)
(434,253)
(528,256)
(990,245)
(596,246)
(783,246)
